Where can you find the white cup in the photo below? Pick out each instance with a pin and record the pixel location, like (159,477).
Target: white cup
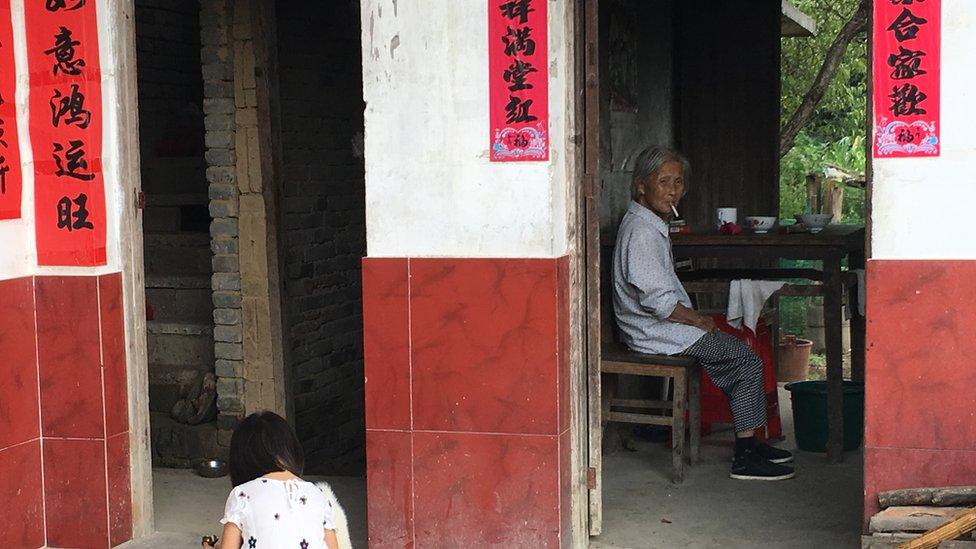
(726,215)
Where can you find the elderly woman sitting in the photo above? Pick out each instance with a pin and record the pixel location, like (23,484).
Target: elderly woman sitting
(655,314)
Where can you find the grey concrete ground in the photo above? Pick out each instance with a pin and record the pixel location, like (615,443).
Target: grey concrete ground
(821,508)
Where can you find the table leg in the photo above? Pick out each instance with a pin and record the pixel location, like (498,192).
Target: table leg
(833,327)
(858,322)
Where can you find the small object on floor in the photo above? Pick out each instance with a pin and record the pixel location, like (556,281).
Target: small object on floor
(211,468)
(666,521)
(209,540)
(752,466)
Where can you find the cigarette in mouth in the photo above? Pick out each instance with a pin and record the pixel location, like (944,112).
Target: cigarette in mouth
(675,210)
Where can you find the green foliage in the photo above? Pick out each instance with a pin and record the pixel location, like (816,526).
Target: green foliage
(811,155)
(835,133)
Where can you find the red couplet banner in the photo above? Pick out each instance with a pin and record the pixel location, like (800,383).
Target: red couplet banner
(66,131)
(11,181)
(518,79)
(907,37)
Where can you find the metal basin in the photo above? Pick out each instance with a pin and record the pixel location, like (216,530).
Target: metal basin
(211,468)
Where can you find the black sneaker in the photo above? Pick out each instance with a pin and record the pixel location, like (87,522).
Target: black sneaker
(752,466)
(773,454)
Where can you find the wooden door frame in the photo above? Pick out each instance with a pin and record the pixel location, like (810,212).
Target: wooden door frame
(587,110)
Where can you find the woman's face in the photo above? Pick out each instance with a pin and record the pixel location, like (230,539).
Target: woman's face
(663,189)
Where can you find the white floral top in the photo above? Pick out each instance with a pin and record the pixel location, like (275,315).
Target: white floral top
(285,514)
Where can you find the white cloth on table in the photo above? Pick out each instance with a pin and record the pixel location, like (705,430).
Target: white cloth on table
(746,300)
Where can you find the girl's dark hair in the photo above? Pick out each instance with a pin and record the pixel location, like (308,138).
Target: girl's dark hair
(264,443)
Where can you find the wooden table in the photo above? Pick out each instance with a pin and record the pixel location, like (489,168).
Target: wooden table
(832,246)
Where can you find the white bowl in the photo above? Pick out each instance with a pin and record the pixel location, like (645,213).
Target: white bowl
(814,222)
(760,224)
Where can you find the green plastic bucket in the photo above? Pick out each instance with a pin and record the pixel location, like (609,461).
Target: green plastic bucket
(810,414)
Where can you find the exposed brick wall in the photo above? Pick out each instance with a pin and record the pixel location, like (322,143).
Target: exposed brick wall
(323,224)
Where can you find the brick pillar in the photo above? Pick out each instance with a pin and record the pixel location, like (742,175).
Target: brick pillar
(218,107)
(247,302)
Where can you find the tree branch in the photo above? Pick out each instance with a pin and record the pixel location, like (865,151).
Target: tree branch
(801,116)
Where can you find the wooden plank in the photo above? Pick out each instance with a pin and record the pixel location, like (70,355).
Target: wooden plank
(634,369)
(645,419)
(755,274)
(642,404)
(790,290)
(943,496)
(591,170)
(833,326)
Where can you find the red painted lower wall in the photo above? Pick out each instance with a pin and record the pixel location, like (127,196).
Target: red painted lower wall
(64,432)
(467,402)
(920,410)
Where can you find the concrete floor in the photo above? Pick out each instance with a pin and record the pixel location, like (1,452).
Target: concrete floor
(188,507)
(820,508)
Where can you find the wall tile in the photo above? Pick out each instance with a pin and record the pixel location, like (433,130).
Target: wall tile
(119,489)
(68,356)
(919,359)
(386,340)
(113,354)
(74,489)
(484,345)
(18,368)
(388,485)
(894,468)
(477,490)
(21,494)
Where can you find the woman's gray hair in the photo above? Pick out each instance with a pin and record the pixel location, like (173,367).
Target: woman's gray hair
(649,161)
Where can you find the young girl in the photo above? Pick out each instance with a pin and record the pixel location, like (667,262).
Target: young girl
(270,505)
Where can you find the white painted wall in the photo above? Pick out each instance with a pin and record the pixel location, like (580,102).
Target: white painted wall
(430,188)
(923,208)
(18,249)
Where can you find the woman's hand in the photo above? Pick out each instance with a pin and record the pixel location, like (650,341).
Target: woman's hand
(706,323)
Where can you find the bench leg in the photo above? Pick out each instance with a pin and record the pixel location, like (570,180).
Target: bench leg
(678,427)
(694,414)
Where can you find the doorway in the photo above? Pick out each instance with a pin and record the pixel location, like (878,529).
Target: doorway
(706,81)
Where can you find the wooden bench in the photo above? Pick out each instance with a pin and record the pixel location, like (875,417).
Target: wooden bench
(684,373)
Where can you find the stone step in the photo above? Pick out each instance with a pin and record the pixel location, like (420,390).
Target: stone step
(892,541)
(193,305)
(177,252)
(912,518)
(178,281)
(157,219)
(178,445)
(180,343)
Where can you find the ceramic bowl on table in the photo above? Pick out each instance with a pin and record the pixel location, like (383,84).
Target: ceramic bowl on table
(814,222)
(760,224)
